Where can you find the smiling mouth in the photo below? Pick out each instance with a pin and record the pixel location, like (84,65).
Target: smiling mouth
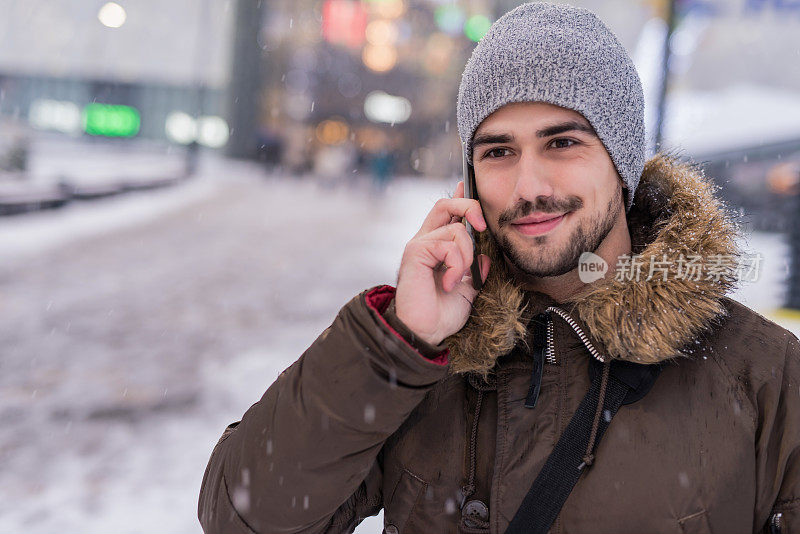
(541,227)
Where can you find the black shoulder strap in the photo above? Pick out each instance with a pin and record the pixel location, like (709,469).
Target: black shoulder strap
(627,383)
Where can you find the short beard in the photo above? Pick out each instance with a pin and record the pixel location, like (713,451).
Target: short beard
(587,237)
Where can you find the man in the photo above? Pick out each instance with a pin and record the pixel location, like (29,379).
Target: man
(442,404)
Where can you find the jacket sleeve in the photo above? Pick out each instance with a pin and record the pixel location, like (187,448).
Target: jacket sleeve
(307,456)
(778,445)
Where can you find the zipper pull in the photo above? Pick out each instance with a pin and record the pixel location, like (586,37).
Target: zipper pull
(540,340)
(776,523)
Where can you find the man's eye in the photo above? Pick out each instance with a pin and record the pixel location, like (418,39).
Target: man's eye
(563,142)
(495,153)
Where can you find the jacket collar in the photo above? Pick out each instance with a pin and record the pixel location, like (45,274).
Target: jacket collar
(674,213)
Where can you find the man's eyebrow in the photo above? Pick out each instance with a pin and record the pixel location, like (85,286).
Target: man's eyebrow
(491,139)
(567,126)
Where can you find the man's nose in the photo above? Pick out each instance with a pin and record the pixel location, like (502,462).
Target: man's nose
(533,179)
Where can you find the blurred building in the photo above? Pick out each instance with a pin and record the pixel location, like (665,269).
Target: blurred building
(159,68)
(372,75)
(287,80)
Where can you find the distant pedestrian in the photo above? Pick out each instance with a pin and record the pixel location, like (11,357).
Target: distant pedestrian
(382,166)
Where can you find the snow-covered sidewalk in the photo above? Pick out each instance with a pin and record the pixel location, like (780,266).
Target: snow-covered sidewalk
(60,171)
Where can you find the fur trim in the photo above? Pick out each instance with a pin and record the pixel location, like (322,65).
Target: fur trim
(674,213)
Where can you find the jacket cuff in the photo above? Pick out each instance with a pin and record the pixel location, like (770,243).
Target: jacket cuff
(381,299)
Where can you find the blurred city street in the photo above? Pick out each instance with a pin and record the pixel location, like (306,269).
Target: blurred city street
(127,351)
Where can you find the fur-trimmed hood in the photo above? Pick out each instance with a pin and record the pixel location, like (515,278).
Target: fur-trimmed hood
(674,213)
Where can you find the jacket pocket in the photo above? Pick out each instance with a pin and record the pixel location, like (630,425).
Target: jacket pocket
(696,523)
(404,497)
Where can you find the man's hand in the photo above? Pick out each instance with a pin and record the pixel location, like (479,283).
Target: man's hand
(434,286)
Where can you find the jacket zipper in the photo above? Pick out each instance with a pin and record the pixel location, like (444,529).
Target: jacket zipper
(551,356)
(550,351)
(547,353)
(776,523)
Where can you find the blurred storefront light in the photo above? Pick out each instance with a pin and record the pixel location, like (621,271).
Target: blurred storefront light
(476,27)
(58,115)
(112,15)
(383,107)
(332,131)
(109,120)
(784,178)
(390,9)
(344,22)
(180,128)
(379,58)
(211,131)
(382,32)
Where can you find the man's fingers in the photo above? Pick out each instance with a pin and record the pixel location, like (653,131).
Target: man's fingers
(448,253)
(459,190)
(446,208)
(448,248)
(457,233)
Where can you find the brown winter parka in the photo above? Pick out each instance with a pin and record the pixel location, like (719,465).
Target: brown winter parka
(371,418)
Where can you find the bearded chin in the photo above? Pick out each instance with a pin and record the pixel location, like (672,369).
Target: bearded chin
(546,258)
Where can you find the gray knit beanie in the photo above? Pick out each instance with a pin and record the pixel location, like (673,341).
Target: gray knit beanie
(563,55)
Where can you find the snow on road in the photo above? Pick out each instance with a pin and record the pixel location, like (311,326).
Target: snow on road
(135,329)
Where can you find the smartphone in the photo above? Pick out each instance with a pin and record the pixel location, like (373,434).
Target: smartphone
(470,191)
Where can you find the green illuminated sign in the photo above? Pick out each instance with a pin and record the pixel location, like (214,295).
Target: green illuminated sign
(476,27)
(111,120)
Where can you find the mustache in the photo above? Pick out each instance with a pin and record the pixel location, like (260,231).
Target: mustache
(540,205)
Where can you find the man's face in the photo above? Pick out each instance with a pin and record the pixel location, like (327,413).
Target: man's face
(548,188)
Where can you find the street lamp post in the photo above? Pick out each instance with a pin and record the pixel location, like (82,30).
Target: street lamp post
(245,83)
(669,7)
(201,57)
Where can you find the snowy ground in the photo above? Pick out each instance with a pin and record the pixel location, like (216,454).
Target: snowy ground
(136,328)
